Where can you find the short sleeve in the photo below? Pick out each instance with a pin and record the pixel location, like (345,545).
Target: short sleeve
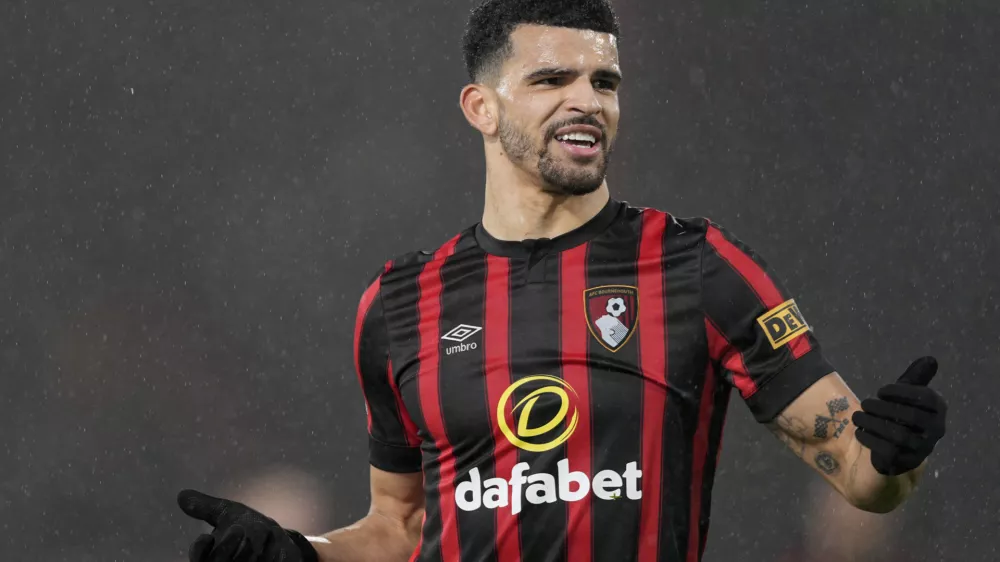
(756,331)
(393,444)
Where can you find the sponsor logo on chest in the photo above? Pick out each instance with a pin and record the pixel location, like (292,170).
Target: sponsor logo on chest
(537,434)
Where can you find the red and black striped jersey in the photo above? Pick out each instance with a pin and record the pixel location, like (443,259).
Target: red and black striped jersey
(565,398)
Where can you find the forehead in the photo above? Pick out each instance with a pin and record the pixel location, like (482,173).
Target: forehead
(535,46)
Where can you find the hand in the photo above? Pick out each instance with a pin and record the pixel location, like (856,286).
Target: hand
(904,423)
(241,534)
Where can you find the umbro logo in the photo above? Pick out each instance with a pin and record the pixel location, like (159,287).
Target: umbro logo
(459,334)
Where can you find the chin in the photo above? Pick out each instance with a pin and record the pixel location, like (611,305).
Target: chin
(577,191)
(573,179)
(572,186)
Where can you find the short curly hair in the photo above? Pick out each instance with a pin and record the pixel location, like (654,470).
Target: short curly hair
(486,44)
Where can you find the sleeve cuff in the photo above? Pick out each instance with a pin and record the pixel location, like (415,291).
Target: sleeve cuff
(783,388)
(393,458)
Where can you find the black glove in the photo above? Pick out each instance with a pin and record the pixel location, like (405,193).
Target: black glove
(904,423)
(241,534)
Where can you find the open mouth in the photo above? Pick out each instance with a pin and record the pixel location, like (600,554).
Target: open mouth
(580,144)
(581,141)
(585,140)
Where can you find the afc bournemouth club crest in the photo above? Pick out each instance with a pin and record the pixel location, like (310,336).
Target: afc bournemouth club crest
(612,312)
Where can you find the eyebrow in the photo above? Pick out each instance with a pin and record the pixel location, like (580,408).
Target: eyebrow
(603,74)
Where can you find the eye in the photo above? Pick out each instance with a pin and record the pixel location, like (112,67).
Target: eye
(604,85)
(551,81)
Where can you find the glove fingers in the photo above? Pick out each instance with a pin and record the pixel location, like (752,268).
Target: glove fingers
(897,461)
(916,396)
(202,506)
(245,552)
(920,372)
(270,549)
(879,446)
(896,466)
(274,550)
(200,548)
(900,413)
(227,546)
(259,536)
(892,432)
(886,457)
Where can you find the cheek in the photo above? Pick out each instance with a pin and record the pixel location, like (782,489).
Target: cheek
(611,108)
(539,110)
(522,127)
(612,114)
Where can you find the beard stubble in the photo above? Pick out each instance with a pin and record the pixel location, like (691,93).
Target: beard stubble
(559,178)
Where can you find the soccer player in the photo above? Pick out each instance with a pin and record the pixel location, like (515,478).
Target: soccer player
(551,384)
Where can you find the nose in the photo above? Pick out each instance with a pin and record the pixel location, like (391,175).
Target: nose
(583,98)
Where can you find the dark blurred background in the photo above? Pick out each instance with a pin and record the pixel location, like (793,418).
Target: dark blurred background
(195,193)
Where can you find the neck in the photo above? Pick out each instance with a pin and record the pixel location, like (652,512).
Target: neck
(517,208)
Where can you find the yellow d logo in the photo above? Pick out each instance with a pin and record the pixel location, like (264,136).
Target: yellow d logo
(522,413)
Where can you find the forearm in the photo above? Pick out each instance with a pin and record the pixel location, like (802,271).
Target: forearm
(871,491)
(375,538)
(822,427)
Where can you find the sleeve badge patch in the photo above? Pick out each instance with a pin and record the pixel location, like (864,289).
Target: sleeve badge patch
(783,323)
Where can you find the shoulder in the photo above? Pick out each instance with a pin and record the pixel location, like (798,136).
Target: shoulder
(694,229)
(408,265)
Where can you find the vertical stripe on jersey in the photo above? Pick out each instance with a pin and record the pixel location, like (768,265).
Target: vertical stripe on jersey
(574,337)
(420,543)
(687,357)
(496,355)
(401,297)
(428,382)
(534,350)
(699,456)
(720,401)
(731,360)
(652,363)
(388,420)
(464,400)
(617,431)
(410,428)
(367,298)
(755,276)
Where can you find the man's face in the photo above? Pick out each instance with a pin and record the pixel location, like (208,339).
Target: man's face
(558,105)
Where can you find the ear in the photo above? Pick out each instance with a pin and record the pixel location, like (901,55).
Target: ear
(478,104)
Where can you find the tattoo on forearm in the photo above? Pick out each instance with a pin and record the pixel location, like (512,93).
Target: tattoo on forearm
(787,427)
(822,425)
(826,463)
(794,426)
(797,448)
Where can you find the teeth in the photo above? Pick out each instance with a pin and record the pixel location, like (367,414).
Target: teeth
(578,137)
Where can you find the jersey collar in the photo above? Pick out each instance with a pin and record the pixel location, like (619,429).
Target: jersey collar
(531,246)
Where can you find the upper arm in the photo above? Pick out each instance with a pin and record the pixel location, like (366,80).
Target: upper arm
(393,442)
(756,333)
(768,351)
